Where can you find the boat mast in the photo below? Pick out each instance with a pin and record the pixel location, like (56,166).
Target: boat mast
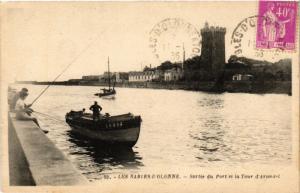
(108,74)
(183,56)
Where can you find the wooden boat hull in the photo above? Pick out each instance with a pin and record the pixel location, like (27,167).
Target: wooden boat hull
(127,137)
(116,132)
(108,94)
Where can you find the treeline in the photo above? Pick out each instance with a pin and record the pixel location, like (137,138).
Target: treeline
(261,70)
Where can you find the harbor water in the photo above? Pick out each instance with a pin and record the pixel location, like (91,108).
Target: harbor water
(187,128)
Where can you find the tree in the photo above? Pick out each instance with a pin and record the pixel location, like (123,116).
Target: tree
(193,63)
(165,66)
(146,69)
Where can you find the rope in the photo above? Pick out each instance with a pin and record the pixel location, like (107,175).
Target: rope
(84,50)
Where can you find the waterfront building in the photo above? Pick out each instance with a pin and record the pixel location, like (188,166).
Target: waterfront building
(146,76)
(122,77)
(108,76)
(173,74)
(135,76)
(91,78)
(242,77)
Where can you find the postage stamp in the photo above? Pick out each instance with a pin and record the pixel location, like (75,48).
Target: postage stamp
(243,43)
(276,26)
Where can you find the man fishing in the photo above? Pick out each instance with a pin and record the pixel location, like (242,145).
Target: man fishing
(96,111)
(17,97)
(23,111)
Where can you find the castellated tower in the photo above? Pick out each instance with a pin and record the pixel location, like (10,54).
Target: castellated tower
(213,49)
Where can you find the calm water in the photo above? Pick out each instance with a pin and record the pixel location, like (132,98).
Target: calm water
(193,129)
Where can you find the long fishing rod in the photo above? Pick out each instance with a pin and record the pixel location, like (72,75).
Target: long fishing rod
(84,50)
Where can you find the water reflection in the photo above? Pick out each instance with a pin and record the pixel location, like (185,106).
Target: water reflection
(212,101)
(110,98)
(103,154)
(208,135)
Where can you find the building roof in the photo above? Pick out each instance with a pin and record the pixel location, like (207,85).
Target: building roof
(139,73)
(134,73)
(242,75)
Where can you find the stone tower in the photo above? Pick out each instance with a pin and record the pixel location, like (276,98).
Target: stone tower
(213,49)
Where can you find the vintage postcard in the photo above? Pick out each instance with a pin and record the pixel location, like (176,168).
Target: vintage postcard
(136,96)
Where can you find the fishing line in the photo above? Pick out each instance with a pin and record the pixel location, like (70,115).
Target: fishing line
(84,50)
(46,115)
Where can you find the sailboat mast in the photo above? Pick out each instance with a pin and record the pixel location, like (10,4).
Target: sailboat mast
(183,57)
(108,74)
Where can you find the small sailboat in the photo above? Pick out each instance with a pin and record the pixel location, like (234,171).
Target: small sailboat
(110,92)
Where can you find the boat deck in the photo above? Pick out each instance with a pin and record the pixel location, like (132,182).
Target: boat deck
(122,117)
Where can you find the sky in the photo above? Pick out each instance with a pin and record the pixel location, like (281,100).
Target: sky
(41,39)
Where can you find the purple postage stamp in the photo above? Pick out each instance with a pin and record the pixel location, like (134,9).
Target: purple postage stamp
(276,25)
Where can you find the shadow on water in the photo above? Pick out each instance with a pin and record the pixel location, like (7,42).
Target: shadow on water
(106,155)
(111,98)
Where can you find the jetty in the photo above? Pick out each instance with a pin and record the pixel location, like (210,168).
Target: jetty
(35,160)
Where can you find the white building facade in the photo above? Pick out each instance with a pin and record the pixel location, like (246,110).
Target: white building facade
(146,76)
(173,74)
(241,77)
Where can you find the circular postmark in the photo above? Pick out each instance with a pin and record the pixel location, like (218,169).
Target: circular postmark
(243,41)
(174,38)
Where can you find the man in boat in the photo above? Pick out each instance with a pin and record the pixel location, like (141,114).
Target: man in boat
(96,111)
(82,112)
(16,97)
(23,111)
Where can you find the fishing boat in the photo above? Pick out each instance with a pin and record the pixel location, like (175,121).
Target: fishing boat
(120,130)
(110,92)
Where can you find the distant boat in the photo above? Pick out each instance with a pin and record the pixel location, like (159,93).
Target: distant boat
(121,130)
(110,92)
